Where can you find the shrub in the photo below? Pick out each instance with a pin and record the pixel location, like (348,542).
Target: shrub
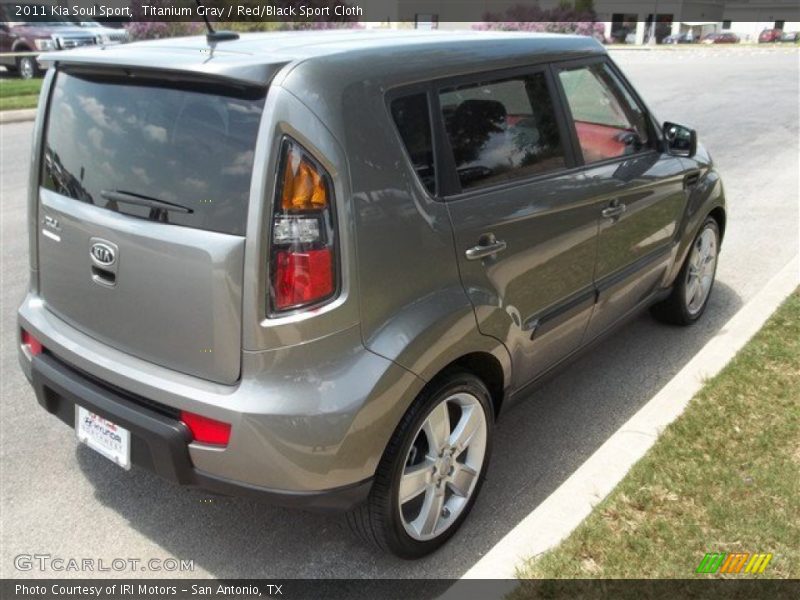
(579,19)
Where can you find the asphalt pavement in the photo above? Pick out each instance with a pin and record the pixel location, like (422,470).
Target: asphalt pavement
(60,499)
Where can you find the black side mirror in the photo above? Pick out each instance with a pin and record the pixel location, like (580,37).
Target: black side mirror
(680,140)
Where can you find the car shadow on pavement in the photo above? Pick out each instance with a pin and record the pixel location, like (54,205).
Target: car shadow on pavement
(538,444)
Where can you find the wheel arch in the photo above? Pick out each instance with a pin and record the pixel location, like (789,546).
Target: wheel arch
(719,215)
(21,46)
(707,200)
(486,367)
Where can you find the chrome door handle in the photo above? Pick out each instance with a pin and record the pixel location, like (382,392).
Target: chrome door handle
(484,250)
(613,211)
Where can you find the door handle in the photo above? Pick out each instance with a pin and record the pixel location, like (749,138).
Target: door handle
(614,211)
(488,246)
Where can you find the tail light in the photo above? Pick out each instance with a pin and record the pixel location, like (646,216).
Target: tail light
(205,430)
(33,345)
(302,257)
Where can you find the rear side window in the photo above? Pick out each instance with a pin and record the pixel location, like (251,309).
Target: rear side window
(123,143)
(608,121)
(413,120)
(502,130)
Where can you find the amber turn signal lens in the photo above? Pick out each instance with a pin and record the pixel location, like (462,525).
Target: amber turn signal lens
(303,186)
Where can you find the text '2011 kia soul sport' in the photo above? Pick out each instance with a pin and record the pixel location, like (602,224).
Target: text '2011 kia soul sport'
(315,268)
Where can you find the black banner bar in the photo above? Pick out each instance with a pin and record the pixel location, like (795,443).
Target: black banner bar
(427,13)
(396,589)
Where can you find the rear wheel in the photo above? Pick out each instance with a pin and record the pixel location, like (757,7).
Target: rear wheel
(431,471)
(694,283)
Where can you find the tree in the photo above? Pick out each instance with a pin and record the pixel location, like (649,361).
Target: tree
(578,18)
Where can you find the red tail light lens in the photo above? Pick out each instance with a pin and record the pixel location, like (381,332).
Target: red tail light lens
(303,251)
(33,345)
(205,430)
(302,277)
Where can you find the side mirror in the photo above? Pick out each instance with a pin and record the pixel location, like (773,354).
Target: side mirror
(681,141)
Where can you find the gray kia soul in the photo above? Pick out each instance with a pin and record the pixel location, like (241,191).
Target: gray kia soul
(315,268)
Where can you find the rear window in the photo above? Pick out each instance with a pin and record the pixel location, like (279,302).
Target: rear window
(137,146)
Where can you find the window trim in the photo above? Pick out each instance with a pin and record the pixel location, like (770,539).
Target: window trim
(655,142)
(451,188)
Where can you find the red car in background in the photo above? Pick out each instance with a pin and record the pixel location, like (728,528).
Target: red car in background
(722,37)
(770,36)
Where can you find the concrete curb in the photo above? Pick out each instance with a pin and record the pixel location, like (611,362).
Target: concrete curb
(556,517)
(17,116)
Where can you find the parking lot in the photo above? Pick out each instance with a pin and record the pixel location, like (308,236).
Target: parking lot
(60,499)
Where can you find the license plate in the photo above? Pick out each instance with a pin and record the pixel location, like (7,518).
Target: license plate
(103,436)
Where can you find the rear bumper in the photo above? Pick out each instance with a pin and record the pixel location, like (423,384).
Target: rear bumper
(159,441)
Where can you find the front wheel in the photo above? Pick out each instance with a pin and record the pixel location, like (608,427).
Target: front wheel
(692,288)
(432,470)
(27,67)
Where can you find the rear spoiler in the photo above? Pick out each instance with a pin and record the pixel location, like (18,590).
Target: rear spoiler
(237,68)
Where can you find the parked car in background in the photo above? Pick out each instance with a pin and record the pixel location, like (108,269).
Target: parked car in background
(770,36)
(681,38)
(790,37)
(619,35)
(34,37)
(720,37)
(239,286)
(103,34)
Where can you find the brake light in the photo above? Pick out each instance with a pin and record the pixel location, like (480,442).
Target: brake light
(33,345)
(205,430)
(303,251)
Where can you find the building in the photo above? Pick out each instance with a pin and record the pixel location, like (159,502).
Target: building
(624,20)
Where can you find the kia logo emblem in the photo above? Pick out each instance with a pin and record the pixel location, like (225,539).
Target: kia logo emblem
(103,254)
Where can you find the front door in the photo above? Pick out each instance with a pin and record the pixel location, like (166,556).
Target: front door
(525,235)
(640,190)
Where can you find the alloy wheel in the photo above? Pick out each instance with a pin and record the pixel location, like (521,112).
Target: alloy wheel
(442,467)
(26,68)
(701,271)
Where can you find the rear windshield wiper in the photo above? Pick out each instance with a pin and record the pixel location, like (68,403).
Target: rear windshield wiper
(139,200)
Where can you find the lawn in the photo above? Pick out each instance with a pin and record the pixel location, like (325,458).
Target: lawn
(19,93)
(724,477)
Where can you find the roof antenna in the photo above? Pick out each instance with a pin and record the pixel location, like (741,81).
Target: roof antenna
(216,36)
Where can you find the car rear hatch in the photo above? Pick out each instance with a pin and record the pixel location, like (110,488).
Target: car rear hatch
(143,202)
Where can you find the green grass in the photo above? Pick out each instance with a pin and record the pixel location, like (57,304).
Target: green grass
(724,477)
(19,93)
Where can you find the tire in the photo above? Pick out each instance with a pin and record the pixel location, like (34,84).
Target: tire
(27,67)
(679,308)
(452,479)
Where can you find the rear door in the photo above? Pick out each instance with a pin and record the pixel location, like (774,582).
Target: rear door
(143,202)
(525,234)
(640,190)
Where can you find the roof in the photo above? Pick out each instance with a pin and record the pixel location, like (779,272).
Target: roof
(256,57)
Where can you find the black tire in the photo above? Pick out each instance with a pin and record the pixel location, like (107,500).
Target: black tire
(378,521)
(675,310)
(27,67)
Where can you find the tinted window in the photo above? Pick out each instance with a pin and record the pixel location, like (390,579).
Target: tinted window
(502,130)
(413,120)
(188,145)
(608,121)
